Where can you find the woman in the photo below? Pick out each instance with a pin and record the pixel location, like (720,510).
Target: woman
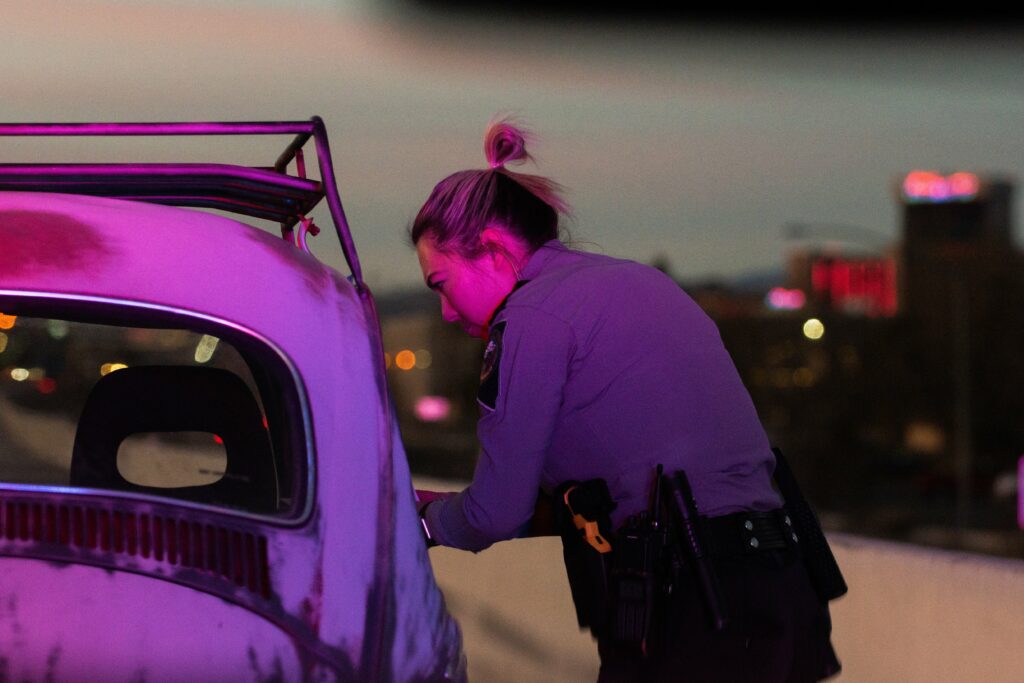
(601,369)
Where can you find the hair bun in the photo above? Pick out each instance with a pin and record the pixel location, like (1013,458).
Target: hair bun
(504,143)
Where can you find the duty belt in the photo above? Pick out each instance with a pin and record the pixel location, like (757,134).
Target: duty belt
(742,533)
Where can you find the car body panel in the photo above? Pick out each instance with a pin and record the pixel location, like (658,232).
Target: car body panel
(349,574)
(127,627)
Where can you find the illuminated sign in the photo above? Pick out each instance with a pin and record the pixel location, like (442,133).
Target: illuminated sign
(935,188)
(856,286)
(782,299)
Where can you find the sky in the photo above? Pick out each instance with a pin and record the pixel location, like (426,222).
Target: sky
(693,142)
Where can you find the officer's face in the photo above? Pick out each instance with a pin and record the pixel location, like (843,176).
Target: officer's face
(470,289)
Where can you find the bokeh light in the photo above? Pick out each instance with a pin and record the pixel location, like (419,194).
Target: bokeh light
(814,329)
(405,360)
(58,329)
(108,368)
(205,348)
(432,408)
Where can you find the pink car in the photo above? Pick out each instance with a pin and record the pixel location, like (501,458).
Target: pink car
(200,475)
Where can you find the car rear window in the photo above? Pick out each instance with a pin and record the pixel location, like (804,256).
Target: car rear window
(161,406)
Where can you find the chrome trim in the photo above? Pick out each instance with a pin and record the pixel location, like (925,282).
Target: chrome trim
(300,386)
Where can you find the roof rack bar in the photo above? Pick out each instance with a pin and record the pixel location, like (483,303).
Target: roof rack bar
(169,170)
(348,247)
(302,130)
(174,128)
(223,204)
(290,151)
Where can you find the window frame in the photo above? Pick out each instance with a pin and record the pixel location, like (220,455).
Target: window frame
(266,360)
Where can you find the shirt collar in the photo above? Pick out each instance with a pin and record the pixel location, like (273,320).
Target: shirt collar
(538,260)
(546,253)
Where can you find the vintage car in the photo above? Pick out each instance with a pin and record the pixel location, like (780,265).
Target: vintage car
(201,478)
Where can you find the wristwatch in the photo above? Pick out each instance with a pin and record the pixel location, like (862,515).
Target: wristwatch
(427,536)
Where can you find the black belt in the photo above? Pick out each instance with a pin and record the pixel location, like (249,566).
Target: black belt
(742,533)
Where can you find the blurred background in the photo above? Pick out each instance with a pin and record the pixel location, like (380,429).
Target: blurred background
(840,194)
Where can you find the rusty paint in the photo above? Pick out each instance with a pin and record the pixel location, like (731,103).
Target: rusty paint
(311,611)
(36,241)
(312,606)
(52,660)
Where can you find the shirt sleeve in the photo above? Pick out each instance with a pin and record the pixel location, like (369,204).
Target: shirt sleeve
(532,366)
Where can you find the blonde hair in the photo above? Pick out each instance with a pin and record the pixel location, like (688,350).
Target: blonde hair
(466,202)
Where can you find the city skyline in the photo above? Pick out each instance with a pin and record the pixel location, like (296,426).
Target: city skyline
(693,143)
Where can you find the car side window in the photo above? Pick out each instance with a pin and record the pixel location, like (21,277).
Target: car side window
(165,411)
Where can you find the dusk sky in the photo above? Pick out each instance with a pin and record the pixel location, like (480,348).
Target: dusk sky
(692,141)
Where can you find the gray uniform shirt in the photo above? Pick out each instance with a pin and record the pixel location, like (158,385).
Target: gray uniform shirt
(603,368)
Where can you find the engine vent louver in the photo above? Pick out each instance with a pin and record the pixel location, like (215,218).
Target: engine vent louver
(231,554)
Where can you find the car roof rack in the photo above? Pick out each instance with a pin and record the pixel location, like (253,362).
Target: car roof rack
(260,192)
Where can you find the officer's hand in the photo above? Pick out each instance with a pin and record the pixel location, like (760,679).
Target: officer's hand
(423,497)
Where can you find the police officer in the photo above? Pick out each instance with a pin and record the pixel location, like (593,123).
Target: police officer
(602,368)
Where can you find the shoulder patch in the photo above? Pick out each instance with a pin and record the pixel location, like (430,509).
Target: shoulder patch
(490,375)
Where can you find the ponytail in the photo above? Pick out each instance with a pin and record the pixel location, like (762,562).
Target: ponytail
(466,202)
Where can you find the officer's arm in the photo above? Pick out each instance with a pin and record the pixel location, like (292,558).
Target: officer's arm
(542,523)
(519,410)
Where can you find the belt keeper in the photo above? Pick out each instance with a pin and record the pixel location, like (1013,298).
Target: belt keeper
(792,540)
(750,541)
(747,533)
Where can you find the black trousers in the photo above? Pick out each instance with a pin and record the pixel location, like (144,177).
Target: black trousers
(779,631)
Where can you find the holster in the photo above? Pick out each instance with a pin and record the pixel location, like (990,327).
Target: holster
(815,552)
(642,580)
(620,594)
(586,565)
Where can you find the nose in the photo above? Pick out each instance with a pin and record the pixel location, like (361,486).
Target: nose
(448,313)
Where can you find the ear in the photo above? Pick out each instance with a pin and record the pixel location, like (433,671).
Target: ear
(503,248)
(492,236)
(494,240)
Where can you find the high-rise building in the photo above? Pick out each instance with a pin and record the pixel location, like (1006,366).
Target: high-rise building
(957,243)
(955,209)
(962,280)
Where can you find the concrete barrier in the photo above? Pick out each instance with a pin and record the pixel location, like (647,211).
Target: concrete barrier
(513,604)
(913,614)
(916,614)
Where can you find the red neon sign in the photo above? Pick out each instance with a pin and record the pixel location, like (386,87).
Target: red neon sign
(867,286)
